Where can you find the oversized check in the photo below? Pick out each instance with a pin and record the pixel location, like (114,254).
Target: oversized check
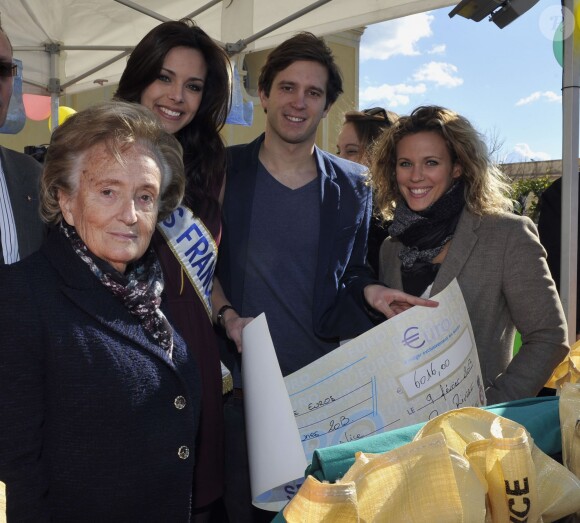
(406,370)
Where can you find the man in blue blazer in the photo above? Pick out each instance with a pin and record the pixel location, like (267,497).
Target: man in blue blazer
(21,229)
(296,222)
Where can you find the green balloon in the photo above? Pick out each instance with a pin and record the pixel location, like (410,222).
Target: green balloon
(558,44)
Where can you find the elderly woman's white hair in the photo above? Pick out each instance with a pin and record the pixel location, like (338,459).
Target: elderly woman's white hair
(118,125)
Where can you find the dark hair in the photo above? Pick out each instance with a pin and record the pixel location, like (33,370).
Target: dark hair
(119,125)
(369,124)
(303,46)
(204,150)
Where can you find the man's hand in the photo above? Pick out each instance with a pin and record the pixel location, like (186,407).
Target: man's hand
(391,301)
(233,325)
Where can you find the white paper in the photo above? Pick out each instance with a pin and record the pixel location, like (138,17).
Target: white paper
(407,370)
(275,450)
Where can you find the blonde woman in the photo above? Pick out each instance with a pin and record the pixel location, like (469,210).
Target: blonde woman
(433,177)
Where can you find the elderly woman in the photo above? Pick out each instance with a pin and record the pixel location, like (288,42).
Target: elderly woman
(433,176)
(100,397)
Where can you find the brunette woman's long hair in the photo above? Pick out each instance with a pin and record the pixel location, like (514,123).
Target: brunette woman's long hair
(203,148)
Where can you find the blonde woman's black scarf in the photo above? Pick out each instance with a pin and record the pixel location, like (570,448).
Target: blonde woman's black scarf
(423,235)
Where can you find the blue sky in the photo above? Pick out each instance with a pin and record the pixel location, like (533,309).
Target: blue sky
(506,81)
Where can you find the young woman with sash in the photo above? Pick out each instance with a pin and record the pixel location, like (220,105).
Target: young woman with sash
(183,76)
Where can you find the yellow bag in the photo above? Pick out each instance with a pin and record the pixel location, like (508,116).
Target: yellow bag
(2,502)
(524,484)
(404,484)
(568,371)
(316,501)
(570,427)
(466,466)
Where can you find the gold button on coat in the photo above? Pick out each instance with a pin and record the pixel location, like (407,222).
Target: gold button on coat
(179,402)
(183,452)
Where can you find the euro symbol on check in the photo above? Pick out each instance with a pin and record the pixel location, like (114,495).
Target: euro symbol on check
(411,338)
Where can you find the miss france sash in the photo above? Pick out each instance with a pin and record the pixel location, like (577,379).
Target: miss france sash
(195,249)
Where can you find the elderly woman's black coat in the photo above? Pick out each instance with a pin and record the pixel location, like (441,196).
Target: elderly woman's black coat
(95,420)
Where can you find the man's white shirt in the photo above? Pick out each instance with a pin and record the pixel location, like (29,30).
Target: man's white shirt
(8,235)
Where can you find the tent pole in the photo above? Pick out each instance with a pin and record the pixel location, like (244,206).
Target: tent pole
(54,83)
(240,45)
(162,18)
(95,69)
(203,8)
(570,134)
(143,10)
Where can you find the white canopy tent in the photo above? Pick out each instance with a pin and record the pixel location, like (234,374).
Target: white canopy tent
(68,45)
(72,45)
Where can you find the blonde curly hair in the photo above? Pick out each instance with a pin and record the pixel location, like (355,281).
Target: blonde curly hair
(486,188)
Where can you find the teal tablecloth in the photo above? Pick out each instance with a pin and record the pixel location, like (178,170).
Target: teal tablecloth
(540,416)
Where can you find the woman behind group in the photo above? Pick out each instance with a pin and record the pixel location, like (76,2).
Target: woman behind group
(451,219)
(100,397)
(360,130)
(180,74)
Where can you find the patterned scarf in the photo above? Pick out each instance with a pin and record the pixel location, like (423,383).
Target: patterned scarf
(139,289)
(424,234)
